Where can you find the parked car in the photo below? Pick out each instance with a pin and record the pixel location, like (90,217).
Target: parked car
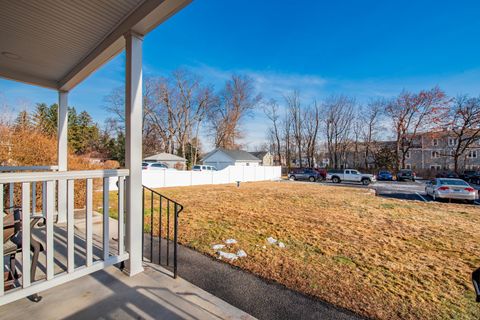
(322,172)
(203,168)
(469,175)
(476,178)
(447,174)
(385,176)
(304,174)
(406,174)
(350,175)
(153,166)
(449,188)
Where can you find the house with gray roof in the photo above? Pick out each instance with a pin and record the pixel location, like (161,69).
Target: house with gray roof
(221,158)
(171,160)
(265,156)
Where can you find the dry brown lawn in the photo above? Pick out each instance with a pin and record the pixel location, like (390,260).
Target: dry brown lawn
(382,258)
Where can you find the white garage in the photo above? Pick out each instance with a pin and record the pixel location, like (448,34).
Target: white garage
(221,158)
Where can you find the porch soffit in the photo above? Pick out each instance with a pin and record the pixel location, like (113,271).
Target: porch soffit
(57,44)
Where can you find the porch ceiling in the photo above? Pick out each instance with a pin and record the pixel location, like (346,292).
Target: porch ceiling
(57,43)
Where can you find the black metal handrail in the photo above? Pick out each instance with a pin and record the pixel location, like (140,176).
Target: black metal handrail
(162,210)
(476,283)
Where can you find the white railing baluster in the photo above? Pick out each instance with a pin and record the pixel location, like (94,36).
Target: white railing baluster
(26,234)
(53,195)
(34,197)
(44,198)
(11,190)
(106,222)
(121,216)
(89,226)
(1,228)
(70,226)
(25,197)
(50,210)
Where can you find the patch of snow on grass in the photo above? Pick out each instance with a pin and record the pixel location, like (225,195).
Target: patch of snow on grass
(271,240)
(218,246)
(227,255)
(230,241)
(241,254)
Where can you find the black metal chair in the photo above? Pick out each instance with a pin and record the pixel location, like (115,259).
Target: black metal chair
(13,245)
(476,283)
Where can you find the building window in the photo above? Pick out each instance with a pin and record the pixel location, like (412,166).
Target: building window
(435,142)
(452,142)
(472,154)
(407,155)
(435,167)
(435,154)
(408,166)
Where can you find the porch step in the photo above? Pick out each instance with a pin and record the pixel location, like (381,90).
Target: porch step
(80,216)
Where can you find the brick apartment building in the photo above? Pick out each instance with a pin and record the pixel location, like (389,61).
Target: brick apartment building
(430,151)
(434,151)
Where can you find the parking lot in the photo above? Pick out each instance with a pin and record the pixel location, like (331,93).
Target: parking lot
(394,189)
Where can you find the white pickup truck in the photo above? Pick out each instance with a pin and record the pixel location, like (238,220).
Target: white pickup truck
(350,175)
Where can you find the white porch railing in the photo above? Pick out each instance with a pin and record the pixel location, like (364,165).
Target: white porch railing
(15,169)
(50,179)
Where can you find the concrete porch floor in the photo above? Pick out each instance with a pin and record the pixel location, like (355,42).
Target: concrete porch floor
(110,294)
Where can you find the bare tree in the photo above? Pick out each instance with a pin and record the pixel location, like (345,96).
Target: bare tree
(296,117)
(206,99)
(357,136)
(464,124)
(271,111)
(237,100)
(311,121)
(338,120)
(174,108)
(412,113)
(287,138)
(193,103)
(371,126)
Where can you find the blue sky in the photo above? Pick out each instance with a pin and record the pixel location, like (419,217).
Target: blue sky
(365,49)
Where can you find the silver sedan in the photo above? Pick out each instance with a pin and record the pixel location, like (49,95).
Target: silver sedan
(447,188)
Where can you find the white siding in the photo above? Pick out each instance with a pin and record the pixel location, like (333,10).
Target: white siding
(219,160)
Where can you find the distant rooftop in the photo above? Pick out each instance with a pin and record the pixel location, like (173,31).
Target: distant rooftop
(237,155)
(259,154)
(165,157)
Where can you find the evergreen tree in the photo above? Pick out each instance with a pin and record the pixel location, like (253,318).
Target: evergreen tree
(23,121)
(45,118)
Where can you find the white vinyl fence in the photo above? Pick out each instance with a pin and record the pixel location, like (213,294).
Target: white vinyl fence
(231,174)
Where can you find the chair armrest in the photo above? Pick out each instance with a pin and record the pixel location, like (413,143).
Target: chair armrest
(35,219)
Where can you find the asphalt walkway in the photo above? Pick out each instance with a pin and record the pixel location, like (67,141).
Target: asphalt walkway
(262,299)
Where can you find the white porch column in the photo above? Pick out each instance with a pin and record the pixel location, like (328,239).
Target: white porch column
(62,136)
(133,151)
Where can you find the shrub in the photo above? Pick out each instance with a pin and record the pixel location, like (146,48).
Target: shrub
(24,147)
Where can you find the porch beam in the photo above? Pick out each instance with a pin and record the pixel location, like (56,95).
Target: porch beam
(133,150)
(28,78)
(142,20)
(62,156)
